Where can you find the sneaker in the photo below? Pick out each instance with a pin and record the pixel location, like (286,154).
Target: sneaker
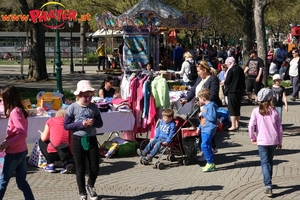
(201,158)
(141,153)
(91,192)
(269,192)
(67,169)
(209,167)
(147,158)
(50,168)
(83,197)
(215,150)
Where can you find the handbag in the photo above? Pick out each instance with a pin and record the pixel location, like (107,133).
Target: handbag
(36,157)
(63,151)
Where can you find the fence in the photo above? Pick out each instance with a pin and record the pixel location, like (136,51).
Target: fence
(17,50)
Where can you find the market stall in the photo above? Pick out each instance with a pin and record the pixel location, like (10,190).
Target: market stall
(142,25)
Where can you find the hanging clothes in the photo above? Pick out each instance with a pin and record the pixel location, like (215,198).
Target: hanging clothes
(160,92)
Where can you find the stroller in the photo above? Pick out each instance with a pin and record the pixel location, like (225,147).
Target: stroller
(183,143)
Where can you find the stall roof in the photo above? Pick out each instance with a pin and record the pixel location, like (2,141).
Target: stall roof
(106,33)
(161,9)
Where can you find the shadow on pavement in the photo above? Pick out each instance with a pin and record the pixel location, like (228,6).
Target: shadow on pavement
(113,167)
(166,194)
(289,190)
(237,158)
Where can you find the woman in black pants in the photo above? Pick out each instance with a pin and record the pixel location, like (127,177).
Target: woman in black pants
(235,82)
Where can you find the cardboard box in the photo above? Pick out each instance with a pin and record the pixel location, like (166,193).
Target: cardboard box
(167,76)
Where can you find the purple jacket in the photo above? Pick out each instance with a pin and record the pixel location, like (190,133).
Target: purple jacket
(268,128)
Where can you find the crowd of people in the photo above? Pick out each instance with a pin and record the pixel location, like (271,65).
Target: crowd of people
(216,84)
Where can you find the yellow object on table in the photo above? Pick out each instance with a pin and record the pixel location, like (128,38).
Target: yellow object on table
(47,100)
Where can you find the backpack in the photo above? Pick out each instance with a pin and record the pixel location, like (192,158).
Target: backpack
(193,75)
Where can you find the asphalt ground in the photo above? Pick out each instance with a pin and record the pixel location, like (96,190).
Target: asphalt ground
(238,175)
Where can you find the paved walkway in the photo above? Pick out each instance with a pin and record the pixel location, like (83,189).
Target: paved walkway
(238,174)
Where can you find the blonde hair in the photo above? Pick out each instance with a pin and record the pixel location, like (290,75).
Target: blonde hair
(61,112)
(204,65)
(168,113)
(204,93)
(187,55)
(213,71)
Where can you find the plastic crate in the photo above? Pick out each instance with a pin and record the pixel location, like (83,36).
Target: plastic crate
(126,149)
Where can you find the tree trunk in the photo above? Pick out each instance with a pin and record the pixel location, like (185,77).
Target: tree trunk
(259,8)
(37,64)
(248,26)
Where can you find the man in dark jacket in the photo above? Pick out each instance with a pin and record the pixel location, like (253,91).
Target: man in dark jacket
(177,57)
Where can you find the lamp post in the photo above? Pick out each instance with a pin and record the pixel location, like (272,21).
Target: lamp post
(71,25)
(58,62)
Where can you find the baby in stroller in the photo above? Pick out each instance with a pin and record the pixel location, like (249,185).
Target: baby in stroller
(163,136)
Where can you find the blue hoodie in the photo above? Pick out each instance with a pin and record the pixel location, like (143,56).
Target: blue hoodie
(165,130)
(208,122)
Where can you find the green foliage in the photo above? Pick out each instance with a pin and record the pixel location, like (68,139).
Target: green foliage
(91,57)
(29,94)
(69,95)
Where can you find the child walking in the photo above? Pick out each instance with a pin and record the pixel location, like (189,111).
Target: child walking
(82,118)
(208,127)
(163,135)
(279,97)
(268,134)
(15,142)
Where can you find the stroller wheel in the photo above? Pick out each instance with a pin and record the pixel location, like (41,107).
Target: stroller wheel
(160,166)
(172,158)
(186,161)
(141,161)
(180,162)
(168,157)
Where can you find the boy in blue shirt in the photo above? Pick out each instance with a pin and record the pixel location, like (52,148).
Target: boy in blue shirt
(163,135)
(208,127)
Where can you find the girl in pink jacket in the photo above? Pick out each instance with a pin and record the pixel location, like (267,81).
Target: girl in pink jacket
(15,142)
(267,134)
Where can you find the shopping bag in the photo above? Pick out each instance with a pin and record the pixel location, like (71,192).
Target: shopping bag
(36,158)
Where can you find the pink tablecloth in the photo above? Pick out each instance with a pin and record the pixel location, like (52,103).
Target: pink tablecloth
(112,122)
